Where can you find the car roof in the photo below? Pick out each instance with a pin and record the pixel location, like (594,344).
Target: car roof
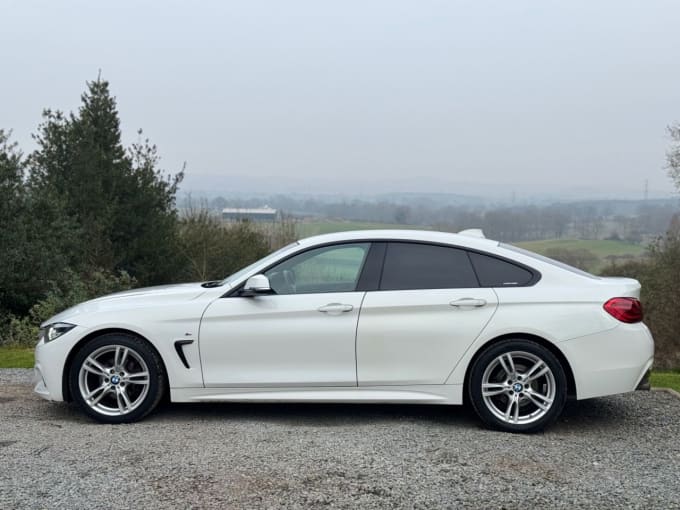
(429,236)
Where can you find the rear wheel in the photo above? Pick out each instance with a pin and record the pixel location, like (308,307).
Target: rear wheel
(517,386)
(117,378)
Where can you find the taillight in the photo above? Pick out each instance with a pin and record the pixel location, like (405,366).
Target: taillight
(625,309)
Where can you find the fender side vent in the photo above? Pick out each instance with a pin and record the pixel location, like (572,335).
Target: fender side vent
(179,347)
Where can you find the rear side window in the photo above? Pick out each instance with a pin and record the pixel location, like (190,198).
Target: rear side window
(493,272)
(411,266)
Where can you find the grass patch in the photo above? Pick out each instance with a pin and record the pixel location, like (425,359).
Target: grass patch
(666,380)
(16,357)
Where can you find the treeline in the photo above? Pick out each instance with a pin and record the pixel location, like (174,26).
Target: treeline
(633,222)
(82,216)
(659,274)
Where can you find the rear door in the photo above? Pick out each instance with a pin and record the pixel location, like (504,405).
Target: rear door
(428,310)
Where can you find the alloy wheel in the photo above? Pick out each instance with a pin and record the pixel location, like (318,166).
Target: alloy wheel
(114,380)
(518,387)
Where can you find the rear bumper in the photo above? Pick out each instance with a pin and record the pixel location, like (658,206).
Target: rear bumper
(610,362)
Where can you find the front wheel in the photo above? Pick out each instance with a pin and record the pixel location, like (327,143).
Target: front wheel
(517,386)
(117,378)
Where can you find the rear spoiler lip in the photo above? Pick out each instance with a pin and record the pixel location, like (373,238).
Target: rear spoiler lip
(622,286)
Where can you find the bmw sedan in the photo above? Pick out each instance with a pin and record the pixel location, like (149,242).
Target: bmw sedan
(402,317)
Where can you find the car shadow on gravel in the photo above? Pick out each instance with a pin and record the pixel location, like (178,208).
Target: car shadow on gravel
(612,413)
(318,415)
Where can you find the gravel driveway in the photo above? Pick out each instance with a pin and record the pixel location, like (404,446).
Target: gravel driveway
(621,452)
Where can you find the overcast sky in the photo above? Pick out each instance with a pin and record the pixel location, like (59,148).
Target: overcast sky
(541,95)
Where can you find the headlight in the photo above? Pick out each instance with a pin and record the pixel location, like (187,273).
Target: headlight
(52,331)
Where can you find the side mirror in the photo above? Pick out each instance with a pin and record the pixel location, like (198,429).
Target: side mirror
(258,284)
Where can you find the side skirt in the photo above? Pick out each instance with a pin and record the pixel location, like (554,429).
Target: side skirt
(446,394)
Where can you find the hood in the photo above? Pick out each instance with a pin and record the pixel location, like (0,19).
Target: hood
(179,289)
(136,298)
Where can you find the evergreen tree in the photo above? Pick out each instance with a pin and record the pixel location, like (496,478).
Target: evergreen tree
(122,203)
(28,260)
(12,232)
(147,231)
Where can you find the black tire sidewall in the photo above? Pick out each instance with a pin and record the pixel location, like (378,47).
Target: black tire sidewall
(490,354)
(156,376)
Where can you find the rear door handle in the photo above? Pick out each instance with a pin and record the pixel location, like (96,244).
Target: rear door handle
(458,303)
(335,308)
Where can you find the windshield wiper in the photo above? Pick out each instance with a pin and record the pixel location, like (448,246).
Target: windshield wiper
(211,284)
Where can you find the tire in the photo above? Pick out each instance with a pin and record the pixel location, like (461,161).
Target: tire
(525,387)
(117,378)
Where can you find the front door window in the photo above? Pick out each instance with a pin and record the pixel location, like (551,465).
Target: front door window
(322,270)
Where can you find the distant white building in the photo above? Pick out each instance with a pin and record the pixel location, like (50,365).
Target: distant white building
(262,214)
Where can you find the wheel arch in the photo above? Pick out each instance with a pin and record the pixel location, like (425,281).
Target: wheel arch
(66,393)
(568,372)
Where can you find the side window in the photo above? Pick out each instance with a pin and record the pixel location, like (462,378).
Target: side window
(493,272)
(328,269)
(424,266)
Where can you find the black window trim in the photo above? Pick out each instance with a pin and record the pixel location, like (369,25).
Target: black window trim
(535,278)
(371,272)
(236,291)
(371,286)
(535,274)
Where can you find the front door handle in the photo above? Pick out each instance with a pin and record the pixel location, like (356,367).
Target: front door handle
(458,303)
(335,308)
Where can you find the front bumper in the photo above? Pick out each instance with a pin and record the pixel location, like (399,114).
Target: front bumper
(50,361)
(40,384)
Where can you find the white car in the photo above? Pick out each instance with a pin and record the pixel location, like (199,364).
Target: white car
(405,317)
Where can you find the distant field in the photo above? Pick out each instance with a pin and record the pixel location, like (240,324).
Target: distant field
(600,248)
(314,228)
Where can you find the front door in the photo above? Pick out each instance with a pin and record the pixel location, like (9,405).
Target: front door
(303,334)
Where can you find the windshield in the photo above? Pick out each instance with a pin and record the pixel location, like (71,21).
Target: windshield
(229,280)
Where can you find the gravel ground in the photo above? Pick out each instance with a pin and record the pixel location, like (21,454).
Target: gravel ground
(620,452)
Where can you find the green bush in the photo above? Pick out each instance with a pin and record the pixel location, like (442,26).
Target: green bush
(74,289)
(213,250)
(659,275)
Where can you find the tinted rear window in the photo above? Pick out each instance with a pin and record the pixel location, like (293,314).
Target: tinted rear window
(423,266)
(494,272)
